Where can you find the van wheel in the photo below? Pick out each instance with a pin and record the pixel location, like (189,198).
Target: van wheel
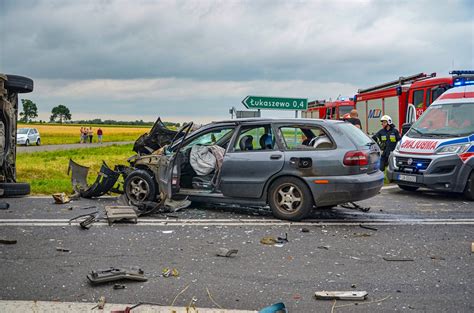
(140,186)
(408,188)
(27,142)
(290,199)
(38,142)
(469,190)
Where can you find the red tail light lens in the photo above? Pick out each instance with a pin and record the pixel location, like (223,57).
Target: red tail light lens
(356,158)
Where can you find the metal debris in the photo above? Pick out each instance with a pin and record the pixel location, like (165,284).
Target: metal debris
(398,259)
(341,295)
(6,241)
(114,274)
(367,227)
(4,205)
(354,206)
(121,213)
(167,272)
(226,252)
(304,230)
(119,286)
(61,249)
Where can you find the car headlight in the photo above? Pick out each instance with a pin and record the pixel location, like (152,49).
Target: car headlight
(453,149)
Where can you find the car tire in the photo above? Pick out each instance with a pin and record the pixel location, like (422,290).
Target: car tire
(469,189)
(27,142)
(19,84)
(15,189)
(38,142)
(283,196)
(140,186)
(408,188)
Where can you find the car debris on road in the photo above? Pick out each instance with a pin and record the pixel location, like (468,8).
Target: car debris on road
(341,295)
(115,274)
(226,252)
(61,198)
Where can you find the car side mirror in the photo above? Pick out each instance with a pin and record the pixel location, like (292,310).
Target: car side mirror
(406,128)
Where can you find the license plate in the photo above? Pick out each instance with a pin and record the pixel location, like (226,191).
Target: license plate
(409,178)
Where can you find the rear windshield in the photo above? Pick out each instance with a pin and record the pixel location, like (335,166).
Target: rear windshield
(448,119)
(355,134)
(22,131)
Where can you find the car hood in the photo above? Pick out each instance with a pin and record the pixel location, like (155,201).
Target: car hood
(159,136)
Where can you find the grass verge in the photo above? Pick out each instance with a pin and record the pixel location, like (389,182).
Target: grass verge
(47,171)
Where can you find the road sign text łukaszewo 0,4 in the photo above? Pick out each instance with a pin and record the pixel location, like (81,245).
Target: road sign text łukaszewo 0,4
(270,103)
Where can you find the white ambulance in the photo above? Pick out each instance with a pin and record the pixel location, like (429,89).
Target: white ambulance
(438,150)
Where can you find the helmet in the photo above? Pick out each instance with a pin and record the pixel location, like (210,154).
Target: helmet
(386,118)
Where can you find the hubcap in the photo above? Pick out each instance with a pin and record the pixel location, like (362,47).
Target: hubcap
(288,197)
(138,189)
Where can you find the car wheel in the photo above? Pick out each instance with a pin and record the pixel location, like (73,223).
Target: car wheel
(15,189)
(408,188)
(290,199)
(469,190)
(38,142)
(19,84)
(140,186)
(27,142)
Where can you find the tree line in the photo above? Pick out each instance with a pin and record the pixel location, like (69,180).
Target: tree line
(62,114)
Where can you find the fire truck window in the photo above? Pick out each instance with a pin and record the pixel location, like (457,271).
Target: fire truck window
(418,99)
(437,92)
(333,113)
(427,97)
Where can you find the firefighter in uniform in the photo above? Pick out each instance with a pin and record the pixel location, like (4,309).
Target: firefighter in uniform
(387,139)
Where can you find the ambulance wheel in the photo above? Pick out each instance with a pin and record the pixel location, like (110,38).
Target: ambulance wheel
(469,190)
(408,188)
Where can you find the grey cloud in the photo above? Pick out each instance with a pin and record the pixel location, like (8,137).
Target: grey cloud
(208,40)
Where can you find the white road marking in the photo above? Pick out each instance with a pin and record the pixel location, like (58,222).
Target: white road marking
(250,222)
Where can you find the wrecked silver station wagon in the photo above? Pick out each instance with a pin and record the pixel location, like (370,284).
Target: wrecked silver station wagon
(292,165)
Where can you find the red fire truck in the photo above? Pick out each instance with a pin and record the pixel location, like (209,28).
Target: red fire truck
(332,110)
(404,99)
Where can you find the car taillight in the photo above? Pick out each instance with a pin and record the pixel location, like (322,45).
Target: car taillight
(356,158)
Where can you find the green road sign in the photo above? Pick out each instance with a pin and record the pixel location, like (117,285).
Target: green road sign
(270,103)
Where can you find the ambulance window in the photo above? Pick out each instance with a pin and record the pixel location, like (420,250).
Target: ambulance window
(418,99)
(427,97)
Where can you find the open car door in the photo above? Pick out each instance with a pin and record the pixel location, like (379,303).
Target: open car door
(168,164)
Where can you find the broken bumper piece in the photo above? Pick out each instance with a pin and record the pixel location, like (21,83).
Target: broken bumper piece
(115,274)
(104,182)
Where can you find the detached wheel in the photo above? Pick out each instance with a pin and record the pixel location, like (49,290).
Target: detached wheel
(469,190)
(290,199)
(15,189)
(408,188)
(38,142)
(140,186)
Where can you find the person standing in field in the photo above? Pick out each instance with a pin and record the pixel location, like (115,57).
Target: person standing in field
(82,135)
(99,135)
(91,134)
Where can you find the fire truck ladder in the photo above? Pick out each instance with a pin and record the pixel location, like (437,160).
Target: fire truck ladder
(400,81)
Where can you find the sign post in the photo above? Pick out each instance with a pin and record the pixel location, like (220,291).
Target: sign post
(272,103)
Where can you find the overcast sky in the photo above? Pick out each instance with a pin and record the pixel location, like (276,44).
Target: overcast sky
(193,60)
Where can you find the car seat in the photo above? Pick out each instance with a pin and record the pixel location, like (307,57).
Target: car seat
(266,142)
(321,142)
(245,143)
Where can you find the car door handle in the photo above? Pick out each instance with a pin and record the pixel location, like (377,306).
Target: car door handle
(275,156)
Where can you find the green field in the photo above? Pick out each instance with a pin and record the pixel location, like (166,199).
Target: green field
(56,134)
(47,171)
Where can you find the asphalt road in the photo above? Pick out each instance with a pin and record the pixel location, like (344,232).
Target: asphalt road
(33,148)
(433,232)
